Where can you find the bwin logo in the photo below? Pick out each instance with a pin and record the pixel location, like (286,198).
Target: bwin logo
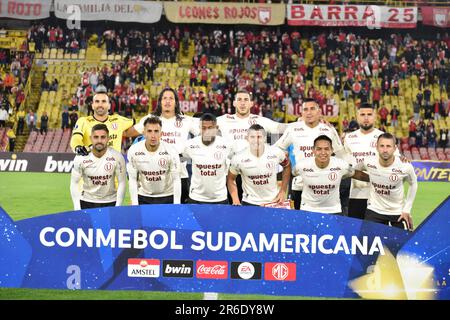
(178,268)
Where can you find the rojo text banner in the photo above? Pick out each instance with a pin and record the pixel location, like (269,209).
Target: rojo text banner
(25,9)
(370,16)
(225,13)
(245,250)
(113,10)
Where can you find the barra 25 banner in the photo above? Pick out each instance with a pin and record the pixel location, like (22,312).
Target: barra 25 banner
(245,250)
(370,16)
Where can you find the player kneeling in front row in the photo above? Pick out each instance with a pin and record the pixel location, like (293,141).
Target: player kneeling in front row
(258,166)
(98,170)
(210,158)
(387,173)
(322,177)
(153,168)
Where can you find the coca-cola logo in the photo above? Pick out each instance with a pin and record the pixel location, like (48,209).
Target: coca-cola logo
(212,269)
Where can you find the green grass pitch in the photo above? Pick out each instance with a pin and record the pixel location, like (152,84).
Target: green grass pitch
(26,195)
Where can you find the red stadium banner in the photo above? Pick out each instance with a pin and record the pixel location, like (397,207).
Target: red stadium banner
(225,13)
(370,16)
(436,16)
(25,9)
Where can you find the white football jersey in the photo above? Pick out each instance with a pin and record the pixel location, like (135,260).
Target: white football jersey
(154,169)
(361,146)
(209,169)
(302,138)
(99,175)
(321,186)
(386,194)
(234,129)
(259,174)
(175,132)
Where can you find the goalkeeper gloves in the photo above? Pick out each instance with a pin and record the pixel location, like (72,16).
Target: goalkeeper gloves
(81,151)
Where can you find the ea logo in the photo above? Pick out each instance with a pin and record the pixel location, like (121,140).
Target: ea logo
(178,123)
(393,177)
(332,176)
(114,126)
(270,165)
(246,270)
(108,166)
(218,155)
(162,163)
(280,271)
(252,121)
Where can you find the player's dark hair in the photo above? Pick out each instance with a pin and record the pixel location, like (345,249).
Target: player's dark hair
(100,126)
(158,110)
(257,127)
(153,120)
(309,100)
(323,138)
(387,135)
(366,105)
(208,117)
(245,92)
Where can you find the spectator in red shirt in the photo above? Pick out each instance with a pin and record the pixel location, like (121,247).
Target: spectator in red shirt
(383,112)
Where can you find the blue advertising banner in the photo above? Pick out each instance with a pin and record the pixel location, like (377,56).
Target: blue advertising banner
(432,170)
(226,249)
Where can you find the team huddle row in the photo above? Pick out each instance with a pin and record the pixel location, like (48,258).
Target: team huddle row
(236,145)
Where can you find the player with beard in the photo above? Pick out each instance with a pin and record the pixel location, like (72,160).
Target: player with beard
(387,173)
(98,169)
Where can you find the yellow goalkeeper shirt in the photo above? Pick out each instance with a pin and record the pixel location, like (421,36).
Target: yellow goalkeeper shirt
(117,125)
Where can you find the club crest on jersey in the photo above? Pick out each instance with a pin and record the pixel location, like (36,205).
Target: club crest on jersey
(270,165)
(393,177)
(162,163)
(114,126)
(178,123)
(251,121)
(332,176)
(218,155)
(108,166)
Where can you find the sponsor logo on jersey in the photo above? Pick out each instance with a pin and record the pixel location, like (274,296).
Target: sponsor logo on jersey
(371,166)
(87,161)
(163,153)
(270,165)
(212,269)
(246,270)
(144,268)
(280,271)
(162,163)
(108,166)
(271,157)
(110,159)
(139,154)
(178,268)
(332,176)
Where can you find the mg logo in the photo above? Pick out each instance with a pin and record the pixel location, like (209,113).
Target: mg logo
(280,271)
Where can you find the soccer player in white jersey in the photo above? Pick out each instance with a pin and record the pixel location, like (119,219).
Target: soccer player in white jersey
(322,177)
(361,144)
(387,174)
(301,135)
(210,159)
(234,127)
(153,168)
(258,166)
(176,128)
(98,169)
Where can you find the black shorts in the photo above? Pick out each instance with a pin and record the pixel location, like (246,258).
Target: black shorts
(357,208)
(90,205)
(297,197)
(248,204)
(185,183)
(386,219)
(155,200)
(192,201)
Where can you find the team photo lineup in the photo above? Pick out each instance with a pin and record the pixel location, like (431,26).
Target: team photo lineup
(307,106)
